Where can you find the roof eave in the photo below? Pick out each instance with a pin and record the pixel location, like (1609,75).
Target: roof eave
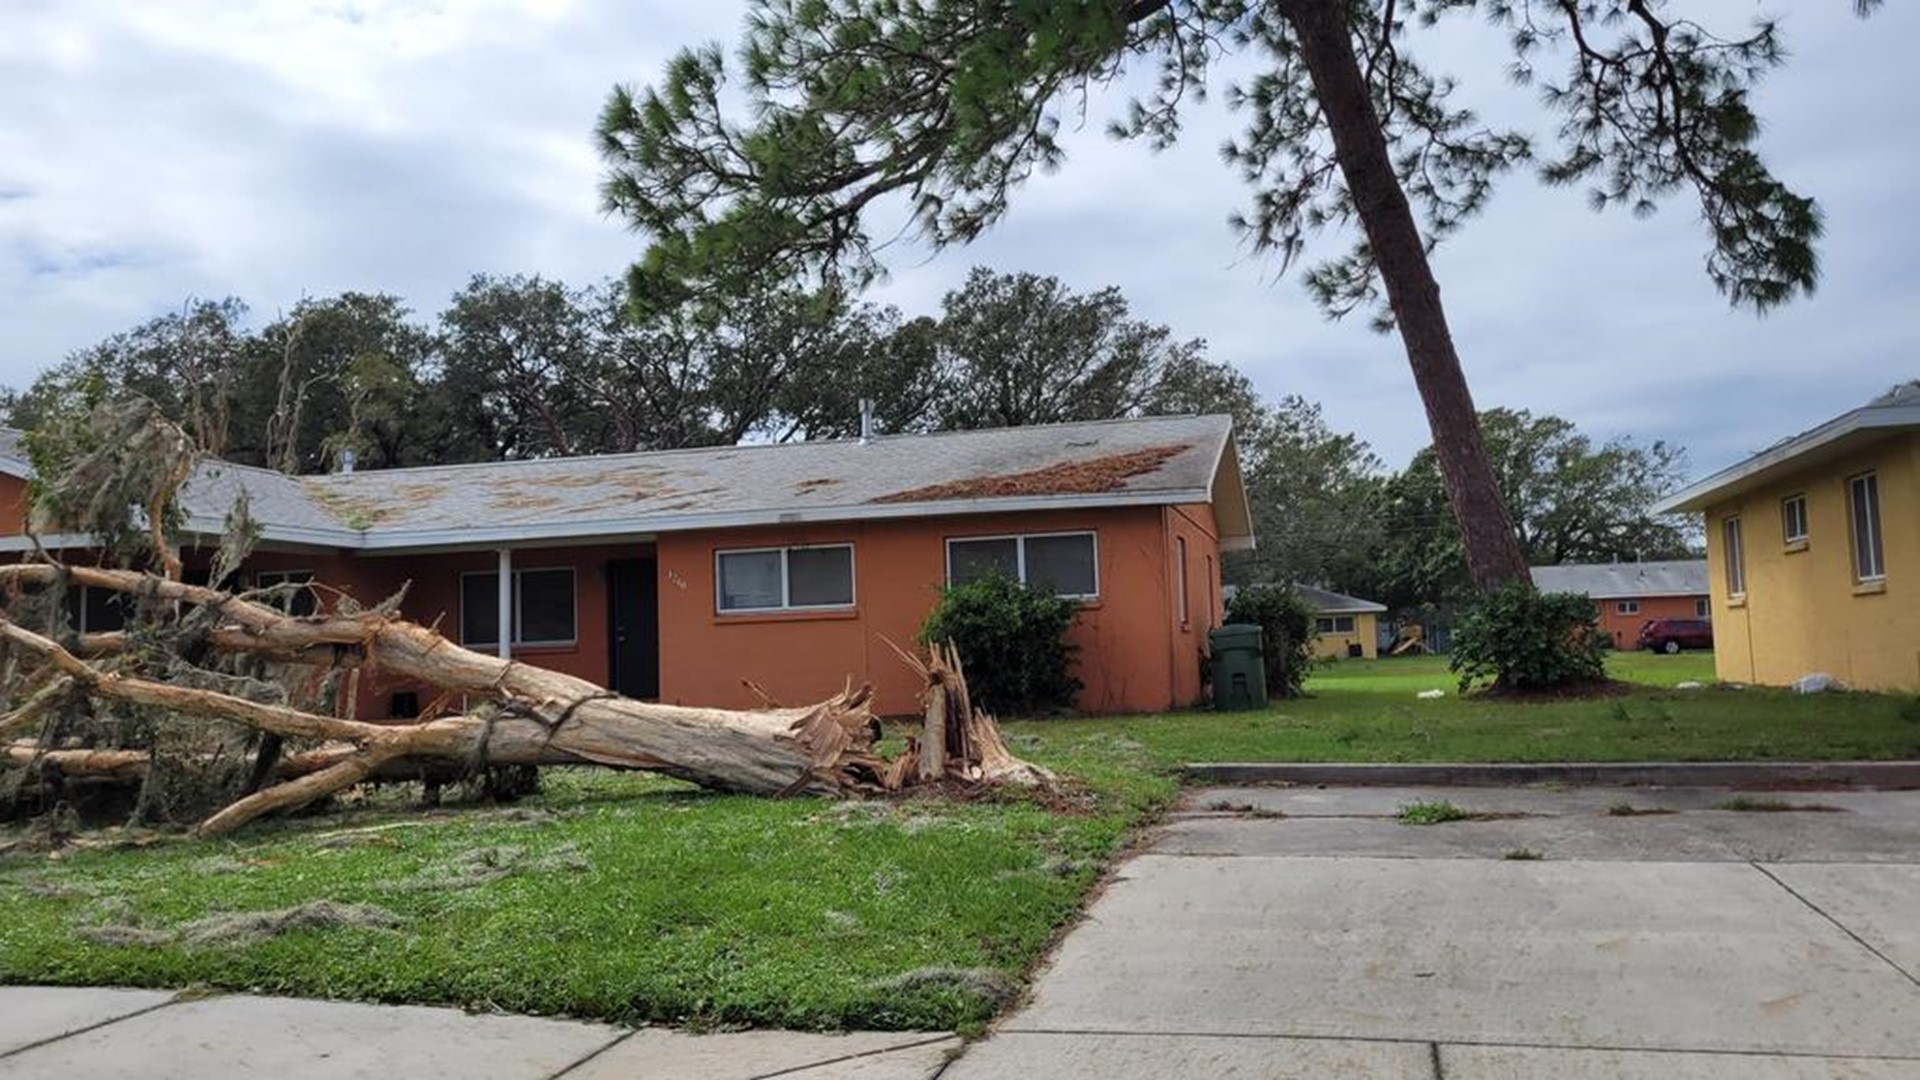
(1749,473)
(394,540)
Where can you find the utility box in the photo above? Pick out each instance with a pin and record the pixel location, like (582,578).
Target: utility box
(1239,668)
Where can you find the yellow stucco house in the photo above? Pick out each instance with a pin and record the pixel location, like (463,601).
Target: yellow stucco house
(1813,552)
(1346,626)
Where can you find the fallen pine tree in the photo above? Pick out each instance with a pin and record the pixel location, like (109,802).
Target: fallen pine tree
(517,714)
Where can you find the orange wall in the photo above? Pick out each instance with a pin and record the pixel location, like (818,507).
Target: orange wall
(1127,657)
(13,506)
(1205,608)
(1626,628)
(1135,654)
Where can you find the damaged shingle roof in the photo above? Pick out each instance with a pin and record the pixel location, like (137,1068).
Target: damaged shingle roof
(1156,460)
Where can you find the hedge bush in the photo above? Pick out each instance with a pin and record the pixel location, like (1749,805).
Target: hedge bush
(1522,639)
(1012,642)
(1286,631)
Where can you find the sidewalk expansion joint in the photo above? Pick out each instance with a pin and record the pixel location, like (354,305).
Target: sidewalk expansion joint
(1843,927)
(929,1041)
(1493,1044)
(90,1027)
(592,1054)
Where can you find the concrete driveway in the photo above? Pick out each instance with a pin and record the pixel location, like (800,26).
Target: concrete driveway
(1304,933)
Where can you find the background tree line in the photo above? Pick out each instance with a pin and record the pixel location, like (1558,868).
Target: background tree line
(525,367)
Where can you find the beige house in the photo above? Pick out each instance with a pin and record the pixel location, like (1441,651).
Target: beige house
(1347,626)
(1813,548)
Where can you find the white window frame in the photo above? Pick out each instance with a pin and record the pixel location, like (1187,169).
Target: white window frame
(1333,625)
(1702,608)
(786,580)
(1787,535)
(573,577)
(1020,555)
(267,579)
(1626,607)
(80,612)
(1874,543)
(1180,578)
(1733,545)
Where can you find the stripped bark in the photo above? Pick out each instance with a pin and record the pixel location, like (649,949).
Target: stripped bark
(522,715)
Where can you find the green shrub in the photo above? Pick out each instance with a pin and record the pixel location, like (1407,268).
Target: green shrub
(1012,642)
(1523,639)
(1286,631)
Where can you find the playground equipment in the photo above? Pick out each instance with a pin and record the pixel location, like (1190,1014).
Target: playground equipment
(1412,639)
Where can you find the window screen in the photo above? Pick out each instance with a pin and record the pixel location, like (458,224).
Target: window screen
(102,611)
(780,578)
(542,606)
(819,577)
(1793,519)
(293,602)
(1064,564)
(969,560)
(545,604)
(1333,624)
(1736,557)
(1869,557)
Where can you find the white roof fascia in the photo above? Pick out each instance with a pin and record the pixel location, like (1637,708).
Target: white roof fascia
(13,466)
(376,540)
(1236,543)
(1872,417)
(51,542)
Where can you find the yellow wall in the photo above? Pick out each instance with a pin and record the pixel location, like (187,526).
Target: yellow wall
(1334,646)
(1803,611)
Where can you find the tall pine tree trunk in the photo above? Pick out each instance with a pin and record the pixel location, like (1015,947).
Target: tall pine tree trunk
(1486,531)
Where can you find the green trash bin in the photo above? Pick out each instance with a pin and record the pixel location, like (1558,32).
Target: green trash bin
(1239,668)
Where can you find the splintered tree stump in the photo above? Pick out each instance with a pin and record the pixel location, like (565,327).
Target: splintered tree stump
(521,714)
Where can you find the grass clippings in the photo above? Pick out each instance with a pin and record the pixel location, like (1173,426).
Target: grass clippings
(487,864)
(117,925)
(989,986)
(243,928)
(1749,804)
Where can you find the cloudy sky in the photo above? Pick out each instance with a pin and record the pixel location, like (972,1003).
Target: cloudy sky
(275,149)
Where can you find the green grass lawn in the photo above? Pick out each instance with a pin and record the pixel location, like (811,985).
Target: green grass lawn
(635,899)
(1367,710)
(658,903)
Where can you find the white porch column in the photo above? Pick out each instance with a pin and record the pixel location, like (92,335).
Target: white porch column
(505,596)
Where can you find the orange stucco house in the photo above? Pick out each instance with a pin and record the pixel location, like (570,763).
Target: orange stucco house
(1627,595)
(682,575)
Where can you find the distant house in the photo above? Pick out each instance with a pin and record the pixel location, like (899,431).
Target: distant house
(677,575)
(1814,546)
(1347,625)
(1626,595)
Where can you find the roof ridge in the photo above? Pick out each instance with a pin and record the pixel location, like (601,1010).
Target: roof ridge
(625,455)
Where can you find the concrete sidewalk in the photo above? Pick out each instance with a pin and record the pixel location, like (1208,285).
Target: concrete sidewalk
(48,1033)
(1306,934)
(1269,933)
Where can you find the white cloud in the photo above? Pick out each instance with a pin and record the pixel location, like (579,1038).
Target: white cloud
(275,149)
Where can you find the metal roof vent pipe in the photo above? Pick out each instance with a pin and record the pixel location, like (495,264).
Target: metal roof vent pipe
(866,421)
(346,461)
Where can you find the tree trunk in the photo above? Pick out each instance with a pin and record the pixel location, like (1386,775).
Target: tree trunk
(1486,530)
(528,715)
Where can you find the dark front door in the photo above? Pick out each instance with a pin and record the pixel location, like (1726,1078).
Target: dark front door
(633,598)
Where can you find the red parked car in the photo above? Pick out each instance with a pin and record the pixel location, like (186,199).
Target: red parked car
(1672,635)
